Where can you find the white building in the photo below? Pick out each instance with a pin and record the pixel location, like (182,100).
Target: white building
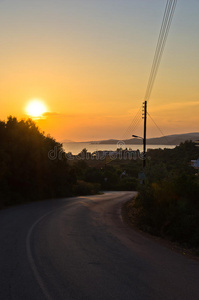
(195,164)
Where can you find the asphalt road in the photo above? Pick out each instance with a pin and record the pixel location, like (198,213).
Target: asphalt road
(79,248)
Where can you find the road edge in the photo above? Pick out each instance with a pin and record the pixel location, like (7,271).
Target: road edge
(174,246)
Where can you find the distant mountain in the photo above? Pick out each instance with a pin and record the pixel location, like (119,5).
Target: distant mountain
(67,141)
(174,139)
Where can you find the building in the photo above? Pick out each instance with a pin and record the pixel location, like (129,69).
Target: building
(195,164)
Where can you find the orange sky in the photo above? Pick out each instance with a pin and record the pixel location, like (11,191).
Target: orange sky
(89,61)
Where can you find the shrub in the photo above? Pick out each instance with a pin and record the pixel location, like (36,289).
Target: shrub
(26,172)
(170,208)
(86,188)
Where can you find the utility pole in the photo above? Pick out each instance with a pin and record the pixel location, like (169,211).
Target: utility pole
(144,139)
(141,175)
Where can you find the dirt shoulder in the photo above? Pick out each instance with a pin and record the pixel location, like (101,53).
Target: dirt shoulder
(130,216)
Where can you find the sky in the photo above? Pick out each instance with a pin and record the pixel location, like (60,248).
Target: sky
(89,62)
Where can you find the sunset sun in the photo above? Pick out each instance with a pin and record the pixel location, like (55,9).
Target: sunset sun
(36,108)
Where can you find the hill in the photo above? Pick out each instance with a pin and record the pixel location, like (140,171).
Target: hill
(174,139)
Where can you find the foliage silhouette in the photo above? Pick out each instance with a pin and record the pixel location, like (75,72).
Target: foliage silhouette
(26,172)
(168,204)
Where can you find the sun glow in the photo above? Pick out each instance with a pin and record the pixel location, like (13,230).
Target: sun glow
(36,108)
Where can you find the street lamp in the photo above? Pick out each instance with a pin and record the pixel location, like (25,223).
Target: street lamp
(138,137)
(141,175)
(144,114)
(144,148)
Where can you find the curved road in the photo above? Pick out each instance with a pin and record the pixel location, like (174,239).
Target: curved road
(79,248)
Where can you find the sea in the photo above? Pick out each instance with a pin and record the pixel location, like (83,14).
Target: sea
(76,148)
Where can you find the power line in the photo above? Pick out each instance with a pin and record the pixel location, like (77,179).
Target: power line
(166,23)
(134,124)
(158,127)
(164,30)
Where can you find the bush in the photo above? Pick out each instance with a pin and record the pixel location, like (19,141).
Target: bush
(26,171)
(128,184)
(170,208)
(86,188)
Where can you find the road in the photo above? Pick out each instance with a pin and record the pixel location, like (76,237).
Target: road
(79,248)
